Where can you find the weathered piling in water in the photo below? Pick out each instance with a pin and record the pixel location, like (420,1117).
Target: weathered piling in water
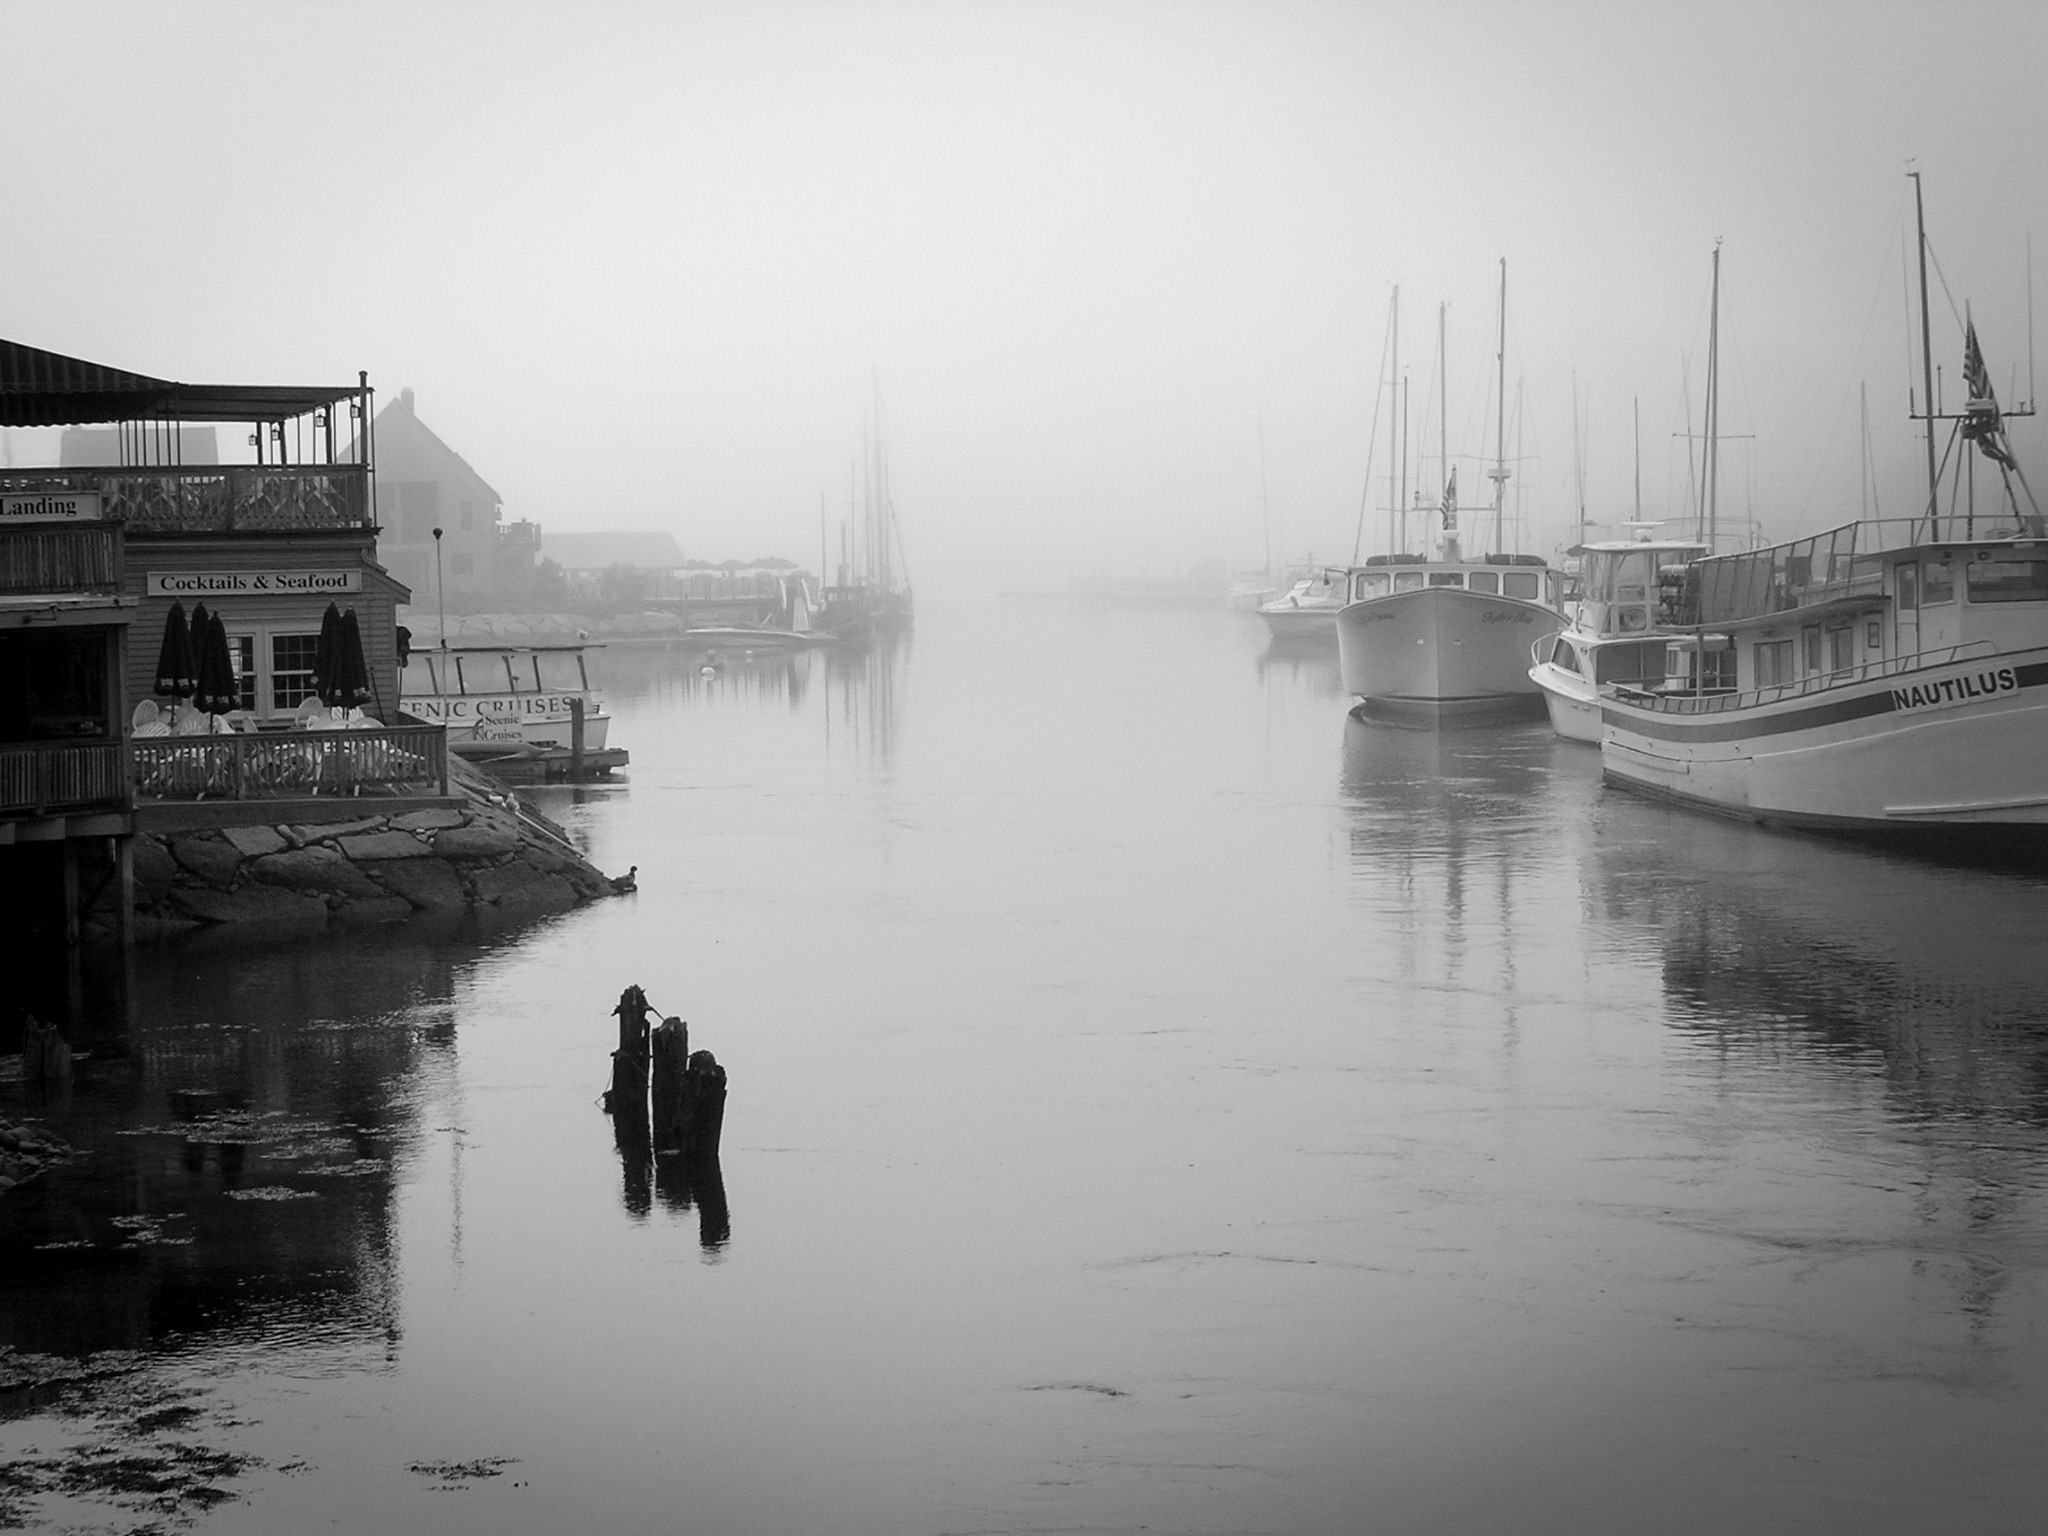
(668,1060)
(689,1096)
(627,1098)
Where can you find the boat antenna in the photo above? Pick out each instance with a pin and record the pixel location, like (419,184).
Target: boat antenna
(1638,403)
(1499,475)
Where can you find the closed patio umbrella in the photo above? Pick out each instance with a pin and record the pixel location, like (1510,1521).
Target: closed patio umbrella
(219,690)
(327,658)
(353,674)
(177,670)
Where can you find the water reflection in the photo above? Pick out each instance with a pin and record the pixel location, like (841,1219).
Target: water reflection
(238,1153)
(863,685)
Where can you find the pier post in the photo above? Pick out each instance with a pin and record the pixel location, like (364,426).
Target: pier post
(576,741)
(627,1099)
(670,1064)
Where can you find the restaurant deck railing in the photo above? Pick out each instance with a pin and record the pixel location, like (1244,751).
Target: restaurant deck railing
(38,779)
(215,498)
(78,557)
(289,765)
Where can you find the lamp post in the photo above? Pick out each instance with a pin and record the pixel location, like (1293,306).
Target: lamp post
(440,594)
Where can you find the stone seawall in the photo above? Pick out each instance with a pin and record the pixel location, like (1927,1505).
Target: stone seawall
(487,850)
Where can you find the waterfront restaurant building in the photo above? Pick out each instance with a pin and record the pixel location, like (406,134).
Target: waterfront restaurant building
(267,545)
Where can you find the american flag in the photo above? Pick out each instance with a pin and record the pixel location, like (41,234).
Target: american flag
(1981,422)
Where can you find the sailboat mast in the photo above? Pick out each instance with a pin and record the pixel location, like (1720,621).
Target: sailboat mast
(1500,429)
(1265,511)
(1397,522)
(1926,358)
(1638,403)
(1710,451)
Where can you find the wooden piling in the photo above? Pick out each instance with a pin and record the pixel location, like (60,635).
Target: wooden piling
(628,1096)
(576,740)
(45,1055)
(670,1059)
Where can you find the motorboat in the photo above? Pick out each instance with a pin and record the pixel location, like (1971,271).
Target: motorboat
(1449,633)
(1888,676)
(497,699)
(1629,597)
(1308,611)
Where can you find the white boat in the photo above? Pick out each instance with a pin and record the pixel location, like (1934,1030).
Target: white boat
(1309,610)
(1629,597)
(499,698)
(1888,676)
(1450,634)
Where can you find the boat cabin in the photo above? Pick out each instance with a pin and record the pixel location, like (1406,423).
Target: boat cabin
(1527,577)
(1820,611)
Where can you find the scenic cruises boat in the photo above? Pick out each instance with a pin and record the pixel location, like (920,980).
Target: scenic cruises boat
(504,700)
(1308,612)
(1450,635)
(1630,595)
(1887,676)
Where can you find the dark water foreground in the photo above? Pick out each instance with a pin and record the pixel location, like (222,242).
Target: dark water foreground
(1158,1103)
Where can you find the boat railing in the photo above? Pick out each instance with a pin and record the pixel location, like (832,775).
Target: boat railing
(1817,682)
(278,765)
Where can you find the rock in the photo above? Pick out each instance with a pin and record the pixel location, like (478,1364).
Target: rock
(320,870)
(427,821)
(253,842)
(253,905)
(520,885)
(381,909)
(327,832)
(154,866)
(209,858)
(475,842)
(383,845)
(426,884)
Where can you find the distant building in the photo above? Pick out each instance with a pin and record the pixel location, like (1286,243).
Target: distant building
(601,566)
(423,484)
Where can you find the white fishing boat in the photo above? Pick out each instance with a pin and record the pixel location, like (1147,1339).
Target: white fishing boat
(1450,634)
(1629,599)
(1889,676)
(505,700)
(1308,612)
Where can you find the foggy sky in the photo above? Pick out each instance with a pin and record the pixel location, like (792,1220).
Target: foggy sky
(645,265)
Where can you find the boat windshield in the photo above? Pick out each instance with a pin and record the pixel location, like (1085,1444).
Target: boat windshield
(560,671)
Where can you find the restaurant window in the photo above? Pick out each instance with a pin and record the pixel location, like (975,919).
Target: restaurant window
(1526,584)
(2007,581)
(1484,581)
(291,669)
(1773,663)
(1940,585)
(242,651)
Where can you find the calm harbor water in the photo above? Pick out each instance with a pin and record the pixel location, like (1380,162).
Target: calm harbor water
(1159,1102)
